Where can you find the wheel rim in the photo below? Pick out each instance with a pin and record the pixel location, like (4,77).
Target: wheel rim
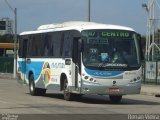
(31,84)
(31,87)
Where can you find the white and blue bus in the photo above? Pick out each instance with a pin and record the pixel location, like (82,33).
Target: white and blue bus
(81,58)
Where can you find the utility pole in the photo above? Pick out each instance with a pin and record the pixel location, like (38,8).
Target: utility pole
(15,37)
(89,10)
(150,8)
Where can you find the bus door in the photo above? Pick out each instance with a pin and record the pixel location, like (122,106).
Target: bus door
(77,59)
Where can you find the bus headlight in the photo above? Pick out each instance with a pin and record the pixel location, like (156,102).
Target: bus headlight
(138,78)
(86,77)
(91,79)
(135,79)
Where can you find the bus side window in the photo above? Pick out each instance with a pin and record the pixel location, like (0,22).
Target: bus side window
(67,45)
(24,49)
(56,44)
(46,45)
(20,48)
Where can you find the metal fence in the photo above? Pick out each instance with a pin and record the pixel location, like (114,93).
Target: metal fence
(152,70)
(6,64)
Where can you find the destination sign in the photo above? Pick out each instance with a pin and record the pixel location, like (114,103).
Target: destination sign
(108,34)
(90,34)
(115,34)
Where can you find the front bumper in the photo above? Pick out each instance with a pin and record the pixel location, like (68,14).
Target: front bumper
(130,88)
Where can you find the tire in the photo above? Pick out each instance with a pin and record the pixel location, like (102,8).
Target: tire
(33,90)
(67,95)
(115,98)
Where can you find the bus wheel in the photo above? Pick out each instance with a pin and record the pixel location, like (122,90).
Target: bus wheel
(115,98)
(67,95)
(33,90)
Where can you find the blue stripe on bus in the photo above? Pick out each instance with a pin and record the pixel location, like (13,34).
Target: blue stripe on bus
(35,67)
(100,73)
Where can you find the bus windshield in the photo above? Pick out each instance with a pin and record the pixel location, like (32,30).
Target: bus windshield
(110,49)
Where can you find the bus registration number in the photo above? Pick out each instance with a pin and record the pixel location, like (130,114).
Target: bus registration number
(114,90)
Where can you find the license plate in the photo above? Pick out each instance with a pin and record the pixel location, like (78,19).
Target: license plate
(114,90)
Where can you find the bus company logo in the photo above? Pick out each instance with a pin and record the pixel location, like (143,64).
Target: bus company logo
(103,73)
(46,73)
(57,65)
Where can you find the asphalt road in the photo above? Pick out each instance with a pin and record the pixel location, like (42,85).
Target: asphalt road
(16,100)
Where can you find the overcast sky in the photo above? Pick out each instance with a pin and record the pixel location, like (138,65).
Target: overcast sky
(33,13)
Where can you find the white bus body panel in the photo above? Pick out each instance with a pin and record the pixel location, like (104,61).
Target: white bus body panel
(102,82)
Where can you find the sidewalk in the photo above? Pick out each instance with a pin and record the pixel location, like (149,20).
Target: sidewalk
(153,90)
(6,76)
